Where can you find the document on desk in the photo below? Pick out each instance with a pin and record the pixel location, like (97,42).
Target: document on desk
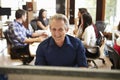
(44,31)
(33,47)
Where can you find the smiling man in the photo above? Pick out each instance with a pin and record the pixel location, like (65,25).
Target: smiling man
(60,49)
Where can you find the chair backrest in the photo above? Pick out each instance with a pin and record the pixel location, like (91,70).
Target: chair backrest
(33,23)
(100,39)
(9,42)
(114,57)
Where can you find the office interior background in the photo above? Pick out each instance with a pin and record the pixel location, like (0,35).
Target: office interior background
(111,8)
(108,12)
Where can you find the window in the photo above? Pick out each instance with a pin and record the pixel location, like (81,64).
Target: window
(17,4)
(90,5)
(14,5)
(112,12)
(50,6)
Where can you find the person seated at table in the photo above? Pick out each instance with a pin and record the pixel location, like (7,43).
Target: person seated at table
(79,23)
(117,31)
(117,41)
(60,49)
(42,21)
(79,20)
(88,36)
(20,36)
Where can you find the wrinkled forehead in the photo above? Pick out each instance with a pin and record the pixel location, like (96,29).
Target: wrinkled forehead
(57,20)
(57,23)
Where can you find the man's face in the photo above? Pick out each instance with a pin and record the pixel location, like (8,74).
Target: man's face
(58,30)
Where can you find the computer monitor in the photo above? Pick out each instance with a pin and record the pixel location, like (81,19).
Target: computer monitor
(5,11)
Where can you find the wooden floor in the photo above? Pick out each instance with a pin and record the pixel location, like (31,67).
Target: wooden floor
(6,60)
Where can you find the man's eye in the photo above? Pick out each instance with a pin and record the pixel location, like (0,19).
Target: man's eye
(53,29)
(60,30)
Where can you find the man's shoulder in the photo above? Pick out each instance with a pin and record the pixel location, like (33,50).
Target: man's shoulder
(73,39)
(13,24)
(45,42)
(76,42)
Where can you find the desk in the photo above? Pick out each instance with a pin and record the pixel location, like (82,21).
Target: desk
(44,31)
(33,48)
(57,73)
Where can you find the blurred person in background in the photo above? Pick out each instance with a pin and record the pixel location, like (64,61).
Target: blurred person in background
(42,21)
(117,41)
(20,36)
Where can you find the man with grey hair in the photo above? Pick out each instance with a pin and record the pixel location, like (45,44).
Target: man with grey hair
(60,49)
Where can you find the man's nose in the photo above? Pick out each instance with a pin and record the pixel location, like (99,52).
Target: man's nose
(57,32)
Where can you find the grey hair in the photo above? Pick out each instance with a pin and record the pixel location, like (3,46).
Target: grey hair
(60,17)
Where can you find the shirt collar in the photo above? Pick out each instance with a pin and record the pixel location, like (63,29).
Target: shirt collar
(18,23)
(67,41)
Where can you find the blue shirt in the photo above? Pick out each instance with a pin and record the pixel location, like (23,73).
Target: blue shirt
(18,33)
(72,53)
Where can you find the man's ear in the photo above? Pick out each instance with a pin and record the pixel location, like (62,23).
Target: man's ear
(50,28)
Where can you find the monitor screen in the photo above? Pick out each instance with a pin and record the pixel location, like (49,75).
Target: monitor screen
(5,11)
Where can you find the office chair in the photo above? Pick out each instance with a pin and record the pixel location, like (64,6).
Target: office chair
(114,57)
(33,23)
(16,52)
(98,53)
